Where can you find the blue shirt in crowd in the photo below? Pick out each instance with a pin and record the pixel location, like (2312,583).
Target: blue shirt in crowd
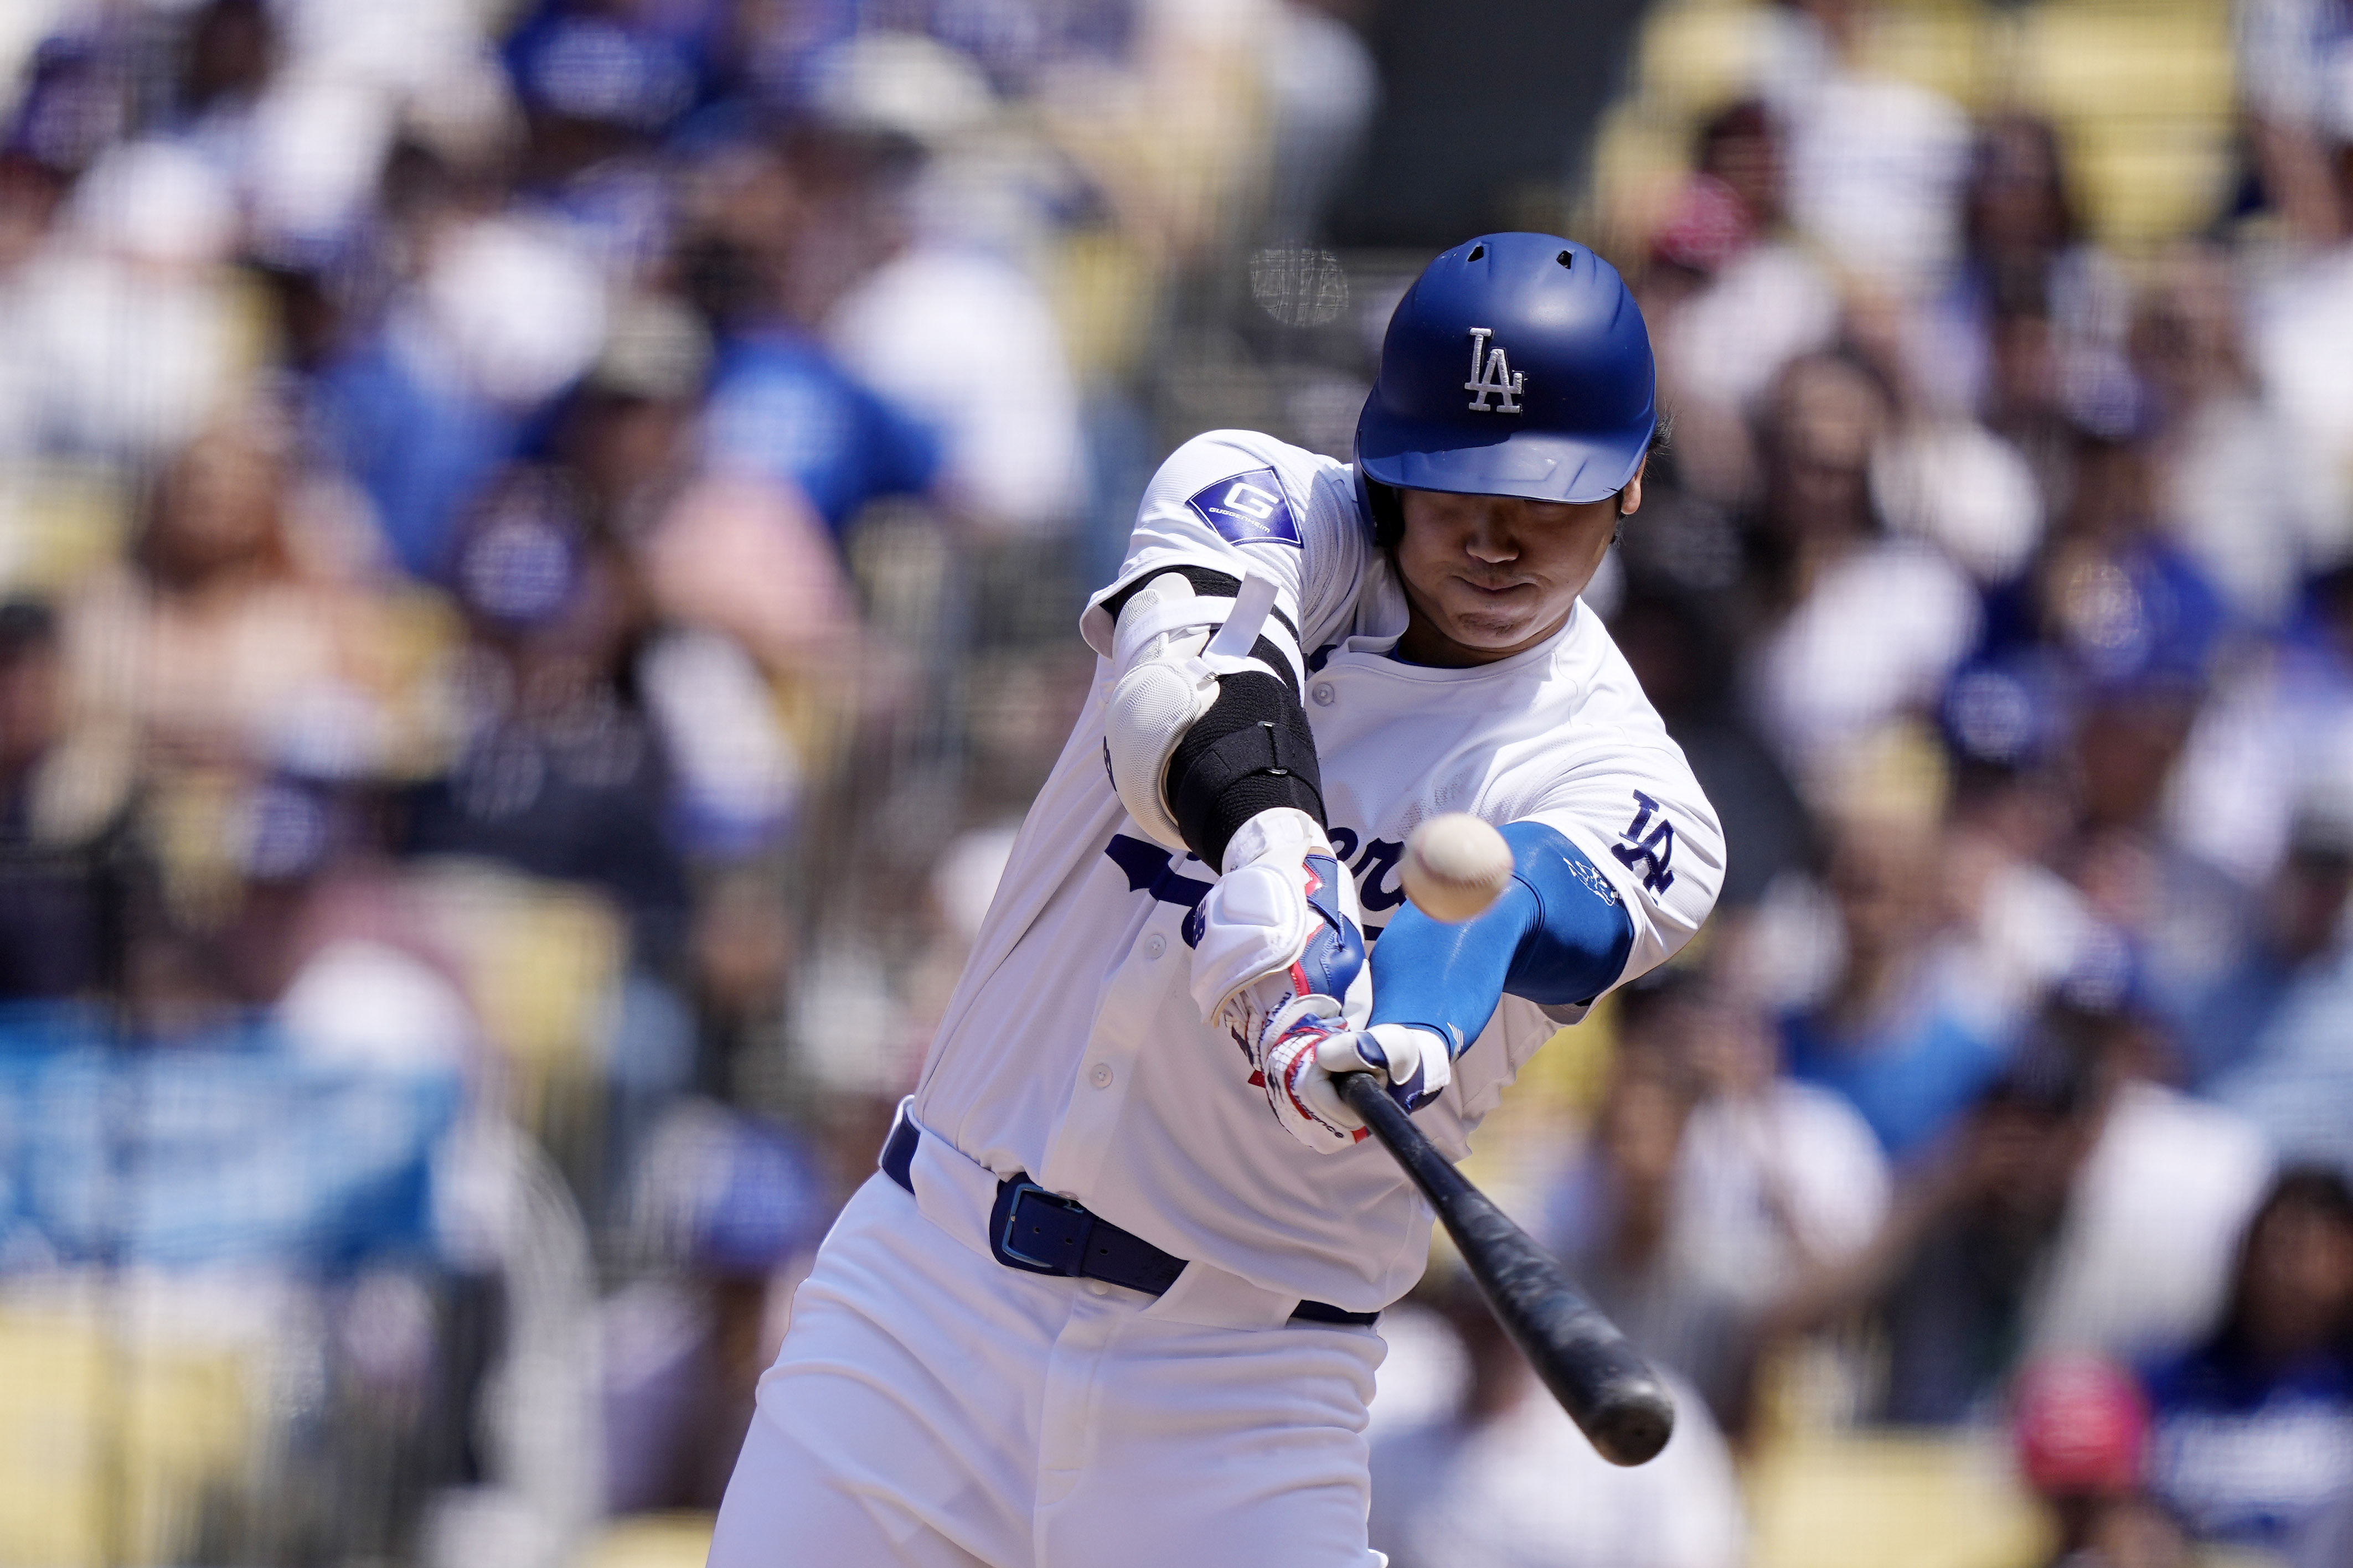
(2250,1457)
(779,407)
(1911,1077)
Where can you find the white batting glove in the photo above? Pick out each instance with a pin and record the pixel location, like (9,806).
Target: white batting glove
(1306,1050)
(1281,923)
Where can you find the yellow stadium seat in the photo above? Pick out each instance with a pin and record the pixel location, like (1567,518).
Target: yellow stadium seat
(1890,1500)
(108,1445)
(651,1541)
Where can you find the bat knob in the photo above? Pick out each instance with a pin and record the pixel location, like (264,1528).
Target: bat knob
(1632,1424)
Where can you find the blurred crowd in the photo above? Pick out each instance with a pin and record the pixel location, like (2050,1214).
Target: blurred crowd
(2001,593)
(540,544)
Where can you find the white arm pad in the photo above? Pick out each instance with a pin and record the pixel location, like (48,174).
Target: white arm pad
(1168,666)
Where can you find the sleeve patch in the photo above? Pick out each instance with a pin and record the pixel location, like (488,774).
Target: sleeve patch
(1247,508)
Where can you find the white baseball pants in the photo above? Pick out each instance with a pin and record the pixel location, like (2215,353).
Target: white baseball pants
(934,1408)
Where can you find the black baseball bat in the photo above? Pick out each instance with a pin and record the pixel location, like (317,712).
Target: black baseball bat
(1615,1400)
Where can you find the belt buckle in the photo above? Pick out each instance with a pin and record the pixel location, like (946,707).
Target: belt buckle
(1006,1249)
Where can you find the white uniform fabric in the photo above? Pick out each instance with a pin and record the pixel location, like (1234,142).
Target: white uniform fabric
(1030,1420)
(1071,1049)
(933,1406)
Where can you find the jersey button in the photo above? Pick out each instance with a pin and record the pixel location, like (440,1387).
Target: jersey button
(1154,945)
(1323,694)
(1099,1075)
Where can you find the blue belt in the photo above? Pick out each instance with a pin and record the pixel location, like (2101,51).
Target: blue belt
(1034,1230)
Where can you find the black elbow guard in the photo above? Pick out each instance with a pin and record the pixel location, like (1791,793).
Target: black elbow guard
(1251,752)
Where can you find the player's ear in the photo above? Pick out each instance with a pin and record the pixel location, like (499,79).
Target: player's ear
(1630,499)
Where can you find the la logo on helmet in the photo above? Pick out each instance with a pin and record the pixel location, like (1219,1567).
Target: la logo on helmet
(1492,375)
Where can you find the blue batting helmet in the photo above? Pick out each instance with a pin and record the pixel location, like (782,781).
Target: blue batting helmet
(1517,364)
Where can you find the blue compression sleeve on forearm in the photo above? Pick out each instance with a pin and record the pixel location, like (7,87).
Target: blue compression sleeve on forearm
(1558,933)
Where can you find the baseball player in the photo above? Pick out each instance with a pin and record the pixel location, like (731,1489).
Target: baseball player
(1112,1298)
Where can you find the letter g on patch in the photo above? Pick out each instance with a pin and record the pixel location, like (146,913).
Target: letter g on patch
(1247,509)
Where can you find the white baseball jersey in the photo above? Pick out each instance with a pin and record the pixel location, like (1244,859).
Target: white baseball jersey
(1071,1049)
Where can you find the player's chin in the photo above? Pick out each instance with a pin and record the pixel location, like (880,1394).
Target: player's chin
(1489,625)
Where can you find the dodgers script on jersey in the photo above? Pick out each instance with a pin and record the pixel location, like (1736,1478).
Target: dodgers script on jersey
(1071,1049)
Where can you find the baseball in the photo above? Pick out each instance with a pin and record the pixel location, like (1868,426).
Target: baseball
(1455,865)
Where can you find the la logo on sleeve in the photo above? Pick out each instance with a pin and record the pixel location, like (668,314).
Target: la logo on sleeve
(1648,848)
